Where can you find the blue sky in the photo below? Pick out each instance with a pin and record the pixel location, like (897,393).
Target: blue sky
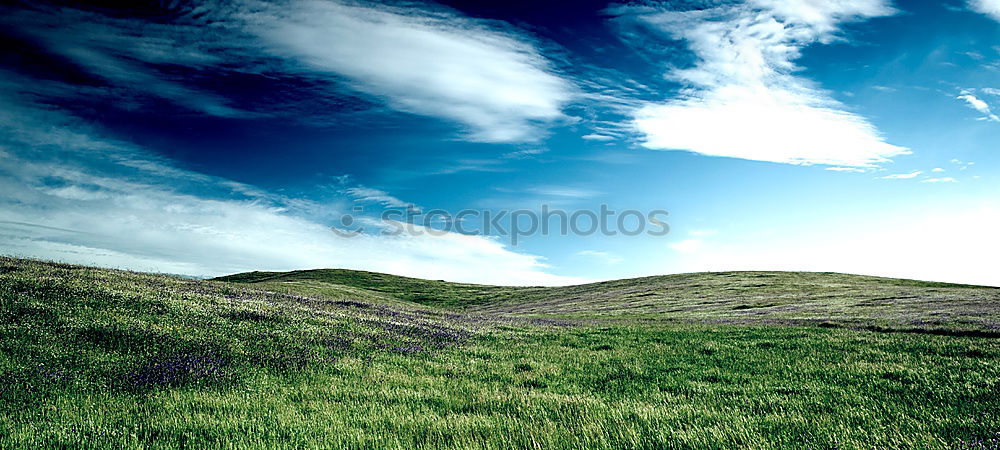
(208,138)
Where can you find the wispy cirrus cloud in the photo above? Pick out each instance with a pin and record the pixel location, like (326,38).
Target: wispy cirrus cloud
(597,137)
(903,176)
(978,104)
(366,194)
(742,98)
(127,55)
(429,62)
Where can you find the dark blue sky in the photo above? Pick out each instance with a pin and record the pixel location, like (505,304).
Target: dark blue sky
(214,137)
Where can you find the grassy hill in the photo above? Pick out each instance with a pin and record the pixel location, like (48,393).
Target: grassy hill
(345,359)
(824,299)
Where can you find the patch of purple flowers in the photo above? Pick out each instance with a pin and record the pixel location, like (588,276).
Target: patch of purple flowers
(408,349)
(178,370)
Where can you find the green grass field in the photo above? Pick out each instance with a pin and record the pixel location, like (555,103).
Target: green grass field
(344,359)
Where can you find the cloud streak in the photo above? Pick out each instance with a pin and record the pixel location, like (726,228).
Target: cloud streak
(127,55)
(979,105)
(365,194)
(903,176)
(742,99)
(434,63)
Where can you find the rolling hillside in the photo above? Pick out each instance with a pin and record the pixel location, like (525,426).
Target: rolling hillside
(825,299)
(342,359)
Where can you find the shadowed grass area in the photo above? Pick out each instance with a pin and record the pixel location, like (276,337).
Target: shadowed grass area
(426,292)
(104,358)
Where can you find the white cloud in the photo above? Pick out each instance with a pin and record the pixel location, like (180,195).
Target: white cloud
(975,103)
(989,7)
(67,194)
(847,169)
(902,176)
(822,17)
(979,105)
(965,165)
(743,100)
(438,64)
(597,137)
(940,180)
(937,170)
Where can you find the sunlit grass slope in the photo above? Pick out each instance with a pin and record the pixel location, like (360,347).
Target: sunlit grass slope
(104,358)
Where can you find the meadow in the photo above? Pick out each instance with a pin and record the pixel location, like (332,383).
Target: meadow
(97,358)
